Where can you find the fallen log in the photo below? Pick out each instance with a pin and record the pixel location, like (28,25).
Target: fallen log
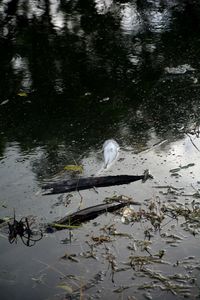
(91,182)
(88,214)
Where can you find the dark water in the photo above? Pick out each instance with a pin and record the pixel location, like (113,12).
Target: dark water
(73,74)
(89,67)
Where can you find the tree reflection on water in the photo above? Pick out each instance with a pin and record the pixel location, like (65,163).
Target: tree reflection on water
(70,56)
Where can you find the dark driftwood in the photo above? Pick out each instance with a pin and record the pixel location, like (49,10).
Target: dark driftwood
(90,213)
(90,182)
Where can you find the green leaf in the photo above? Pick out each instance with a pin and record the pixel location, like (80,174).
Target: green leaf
(65,226)
(74,168)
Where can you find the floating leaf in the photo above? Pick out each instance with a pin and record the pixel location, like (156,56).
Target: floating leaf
(74,168)
(65,287)
(22,94)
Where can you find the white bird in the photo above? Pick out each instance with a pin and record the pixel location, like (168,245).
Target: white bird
(110,152)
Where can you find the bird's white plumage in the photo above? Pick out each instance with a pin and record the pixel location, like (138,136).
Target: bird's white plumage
(110,152)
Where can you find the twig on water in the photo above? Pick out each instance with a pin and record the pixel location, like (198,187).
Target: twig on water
(192,142)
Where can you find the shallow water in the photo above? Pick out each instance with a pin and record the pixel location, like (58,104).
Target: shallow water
(74,74)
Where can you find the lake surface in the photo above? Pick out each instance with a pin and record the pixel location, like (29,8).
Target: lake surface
(72,75)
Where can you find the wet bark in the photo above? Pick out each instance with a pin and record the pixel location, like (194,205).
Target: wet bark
(88,214)
(91,182)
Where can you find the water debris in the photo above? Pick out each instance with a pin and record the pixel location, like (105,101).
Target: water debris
(101,239)
(122,288)
(91,253)
(168,187)
(127,215)
(143,254)
(172,239)
(110,152)
(71,257)
(181,69)
(121,198)
(97,278)
(191,216)
(153,214)
(194,195)
(122,234)
(175,170)
(182,167)
(138,262)
(166,283)
(172,236)
(62,200)
(112,264)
